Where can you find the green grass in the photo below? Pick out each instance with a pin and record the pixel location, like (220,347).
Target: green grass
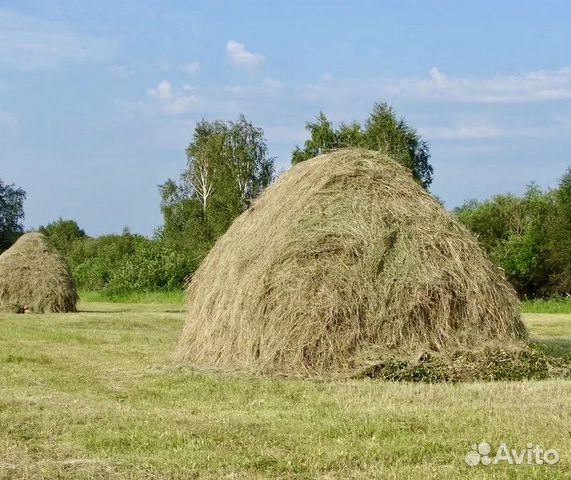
(95,395)
(157,297)
(551,332)
(552,305)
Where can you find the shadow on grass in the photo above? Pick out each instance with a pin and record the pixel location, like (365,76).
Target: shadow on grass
(555,347)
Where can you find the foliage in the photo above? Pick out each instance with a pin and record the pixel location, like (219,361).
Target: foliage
(62,234)
(528,236)
(11,214)
(227,166)
(382,132)
(94,260)
(152,267)
(559,237)
(122,264)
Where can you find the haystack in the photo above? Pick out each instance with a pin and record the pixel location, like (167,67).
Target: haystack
(344,261)
(35,278)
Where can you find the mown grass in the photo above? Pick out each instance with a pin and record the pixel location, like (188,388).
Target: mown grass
(96,395)
(157,297)
(552,305)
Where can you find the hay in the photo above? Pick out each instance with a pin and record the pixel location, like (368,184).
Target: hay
(345,261)
(35,278)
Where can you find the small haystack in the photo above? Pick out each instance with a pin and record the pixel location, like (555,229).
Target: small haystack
(344,262)
(35,278)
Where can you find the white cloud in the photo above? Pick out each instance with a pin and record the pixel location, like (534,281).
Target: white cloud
(346,100)
(527,87)
(229,100)
(173,102)
(28,43)
(163,91)
(339,99)
(192,68)
(240,57)
(537,86)
(180,105)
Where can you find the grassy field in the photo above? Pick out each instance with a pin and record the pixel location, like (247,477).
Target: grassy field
(552,305)
(170,297)
(96,395)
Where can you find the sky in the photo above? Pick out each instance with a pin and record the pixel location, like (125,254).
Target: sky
(98,100)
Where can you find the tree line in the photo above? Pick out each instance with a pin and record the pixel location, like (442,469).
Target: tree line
(228,165)
(528,236)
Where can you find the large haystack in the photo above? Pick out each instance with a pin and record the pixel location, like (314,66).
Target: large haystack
(35,278)
(345,261)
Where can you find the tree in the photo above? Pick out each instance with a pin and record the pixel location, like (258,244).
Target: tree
(383,132)
(387,134)
(528,236)
(11,214)
(63,234)
(203,155)
(559,236)
(323,138)
(350,135)
(249,164)
(523,253)
(184,221)
(227,166)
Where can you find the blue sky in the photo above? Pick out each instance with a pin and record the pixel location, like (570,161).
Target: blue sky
(98,100)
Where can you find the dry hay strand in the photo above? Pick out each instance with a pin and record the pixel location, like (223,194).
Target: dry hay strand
(344,261)
(35,278)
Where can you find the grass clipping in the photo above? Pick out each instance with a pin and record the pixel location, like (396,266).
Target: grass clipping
(35,278)
(344,262)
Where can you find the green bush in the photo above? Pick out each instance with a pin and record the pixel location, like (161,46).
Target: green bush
(528,237)
(152,266)
(127,263)
(63,234)
(94,260)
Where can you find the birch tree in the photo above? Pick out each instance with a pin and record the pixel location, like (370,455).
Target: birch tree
(203,160)
(248,161)
(227,166)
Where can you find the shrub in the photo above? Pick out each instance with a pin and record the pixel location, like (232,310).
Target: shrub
(120,264)
(528,237)
(153,266)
